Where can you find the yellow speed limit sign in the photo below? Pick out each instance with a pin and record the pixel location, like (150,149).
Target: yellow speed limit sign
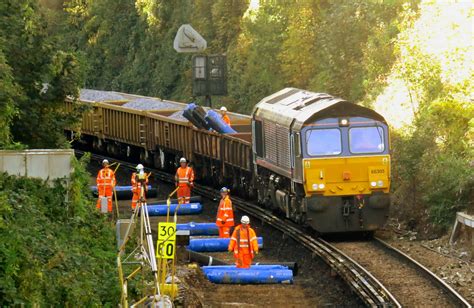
(166,240)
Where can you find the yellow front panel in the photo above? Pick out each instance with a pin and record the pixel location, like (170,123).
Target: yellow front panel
(343,176)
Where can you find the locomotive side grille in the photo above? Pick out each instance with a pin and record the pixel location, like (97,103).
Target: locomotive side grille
(271,149)
(277,145)
(283,146)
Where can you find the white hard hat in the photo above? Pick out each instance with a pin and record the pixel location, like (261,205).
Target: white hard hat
(139,167)
(223,108)
(245,220)
(105,162)
(183,160)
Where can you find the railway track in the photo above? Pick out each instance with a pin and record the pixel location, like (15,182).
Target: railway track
(369,289)
(408,280)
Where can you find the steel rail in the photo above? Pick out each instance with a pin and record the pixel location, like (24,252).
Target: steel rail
(459,301)
(363,283)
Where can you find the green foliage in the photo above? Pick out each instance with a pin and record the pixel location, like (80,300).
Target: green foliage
(341,48)
(253,70)
(9,91)
(433,161)
(35,78)
(54,251)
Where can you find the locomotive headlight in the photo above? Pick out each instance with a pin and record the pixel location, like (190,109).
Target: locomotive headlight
(317,186)
(373,184)
(380,183)
(343,122)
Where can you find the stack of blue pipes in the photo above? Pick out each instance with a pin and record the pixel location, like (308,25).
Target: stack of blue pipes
(230,274)
(206,120)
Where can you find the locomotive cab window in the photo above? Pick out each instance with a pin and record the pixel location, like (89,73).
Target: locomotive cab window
(322,142)
(366,140)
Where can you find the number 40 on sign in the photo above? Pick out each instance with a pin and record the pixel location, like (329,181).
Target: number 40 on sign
(166,240)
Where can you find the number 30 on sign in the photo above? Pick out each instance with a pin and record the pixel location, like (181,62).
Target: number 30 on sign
(166,240)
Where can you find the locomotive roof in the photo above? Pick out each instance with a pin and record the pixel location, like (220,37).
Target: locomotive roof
(297,106)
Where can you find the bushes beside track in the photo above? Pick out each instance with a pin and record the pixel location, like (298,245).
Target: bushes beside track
(55,249)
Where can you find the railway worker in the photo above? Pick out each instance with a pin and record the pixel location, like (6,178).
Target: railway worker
(184,181)
(243,243)
(137,179)
(105,184)
(225,117)
(225,214)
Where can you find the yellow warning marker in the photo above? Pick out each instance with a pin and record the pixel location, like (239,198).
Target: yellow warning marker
(166,244)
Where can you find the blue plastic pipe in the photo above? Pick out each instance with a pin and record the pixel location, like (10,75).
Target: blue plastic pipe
(184,209)
(125,192)
(252,275)
(196,115)
(214,244)
(118,188)
(199,228)
(216,123)
(261,267)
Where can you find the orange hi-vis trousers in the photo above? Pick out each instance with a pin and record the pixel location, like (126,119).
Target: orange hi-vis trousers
(243,260)
(108,192)
(184,193)
(224,232)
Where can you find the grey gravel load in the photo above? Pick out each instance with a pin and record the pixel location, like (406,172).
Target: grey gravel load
(178,115)
(99,96)
(149,104)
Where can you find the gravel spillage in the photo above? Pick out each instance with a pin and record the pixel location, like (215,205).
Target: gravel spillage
(99,96)
(149,104)
(178,115)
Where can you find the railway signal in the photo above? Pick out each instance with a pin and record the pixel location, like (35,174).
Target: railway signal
(209,71)
(209,76)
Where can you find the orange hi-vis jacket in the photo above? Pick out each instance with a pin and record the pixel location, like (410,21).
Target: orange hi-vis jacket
(225,213)
(105,181)
(136,188)
(243,241)
(226,119)
(184,176)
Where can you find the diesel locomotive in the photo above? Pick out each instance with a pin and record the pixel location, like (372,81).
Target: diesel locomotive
(320,160)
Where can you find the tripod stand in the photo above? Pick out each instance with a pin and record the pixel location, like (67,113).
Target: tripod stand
(144,252)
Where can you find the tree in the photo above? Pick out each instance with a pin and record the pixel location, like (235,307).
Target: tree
(43,75)
(9,93)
